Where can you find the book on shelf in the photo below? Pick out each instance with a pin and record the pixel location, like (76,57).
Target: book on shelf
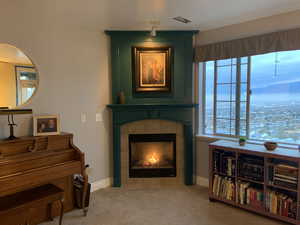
(253,171)
(224,163)
(286,177)
(284,184)
(281,204)
(250,196)
(224,187)
(216,160)
(283,175)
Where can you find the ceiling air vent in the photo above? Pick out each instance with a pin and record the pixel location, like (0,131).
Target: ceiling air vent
(181,19)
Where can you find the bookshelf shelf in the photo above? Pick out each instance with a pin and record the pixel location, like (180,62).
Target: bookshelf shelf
(230,202)
(261,211)
(250,180)
(224,175)
(283,218)
(282,188)
(263,194)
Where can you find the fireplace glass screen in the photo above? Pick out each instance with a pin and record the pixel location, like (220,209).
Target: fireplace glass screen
(152,155)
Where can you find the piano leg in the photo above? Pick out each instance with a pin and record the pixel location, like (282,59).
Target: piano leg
(61,211)
(49,210)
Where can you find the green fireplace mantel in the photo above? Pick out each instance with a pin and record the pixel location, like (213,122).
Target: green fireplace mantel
(124,113)
(127,113)
(176,105)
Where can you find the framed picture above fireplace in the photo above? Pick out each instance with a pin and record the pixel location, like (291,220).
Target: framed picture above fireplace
(151,68)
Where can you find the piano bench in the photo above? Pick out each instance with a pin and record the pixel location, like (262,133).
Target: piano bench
(33,198)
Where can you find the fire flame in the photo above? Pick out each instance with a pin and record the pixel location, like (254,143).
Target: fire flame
(153,159)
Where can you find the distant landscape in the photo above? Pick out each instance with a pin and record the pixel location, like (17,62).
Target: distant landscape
(274,99)
(280,88)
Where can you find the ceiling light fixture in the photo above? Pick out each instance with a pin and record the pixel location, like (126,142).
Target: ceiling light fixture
(153,32)
(154,24)
(181,19)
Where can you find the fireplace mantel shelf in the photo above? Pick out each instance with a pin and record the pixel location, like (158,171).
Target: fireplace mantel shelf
(150,106)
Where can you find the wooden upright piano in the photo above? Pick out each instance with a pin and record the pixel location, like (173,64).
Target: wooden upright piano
(30,162)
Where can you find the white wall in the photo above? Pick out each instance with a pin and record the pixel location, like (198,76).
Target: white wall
(73,63)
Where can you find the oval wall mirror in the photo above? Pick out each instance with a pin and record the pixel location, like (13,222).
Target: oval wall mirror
(18,77)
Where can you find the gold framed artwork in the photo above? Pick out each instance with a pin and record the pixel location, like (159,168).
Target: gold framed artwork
(151,69)
(46,125)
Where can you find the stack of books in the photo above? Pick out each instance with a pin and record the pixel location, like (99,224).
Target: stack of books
(249,195)
(284,176)
(281,204)
(251,168)
(224,163)
(224,187)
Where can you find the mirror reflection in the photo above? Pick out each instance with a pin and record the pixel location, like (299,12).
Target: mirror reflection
(18,77)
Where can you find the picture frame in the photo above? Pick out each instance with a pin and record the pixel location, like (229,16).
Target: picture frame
(46,125)
(151,67)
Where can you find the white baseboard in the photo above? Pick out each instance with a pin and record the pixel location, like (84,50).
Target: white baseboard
(107,182)
(202,181)
(100,184)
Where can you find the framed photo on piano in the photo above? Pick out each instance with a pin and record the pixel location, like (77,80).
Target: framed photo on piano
(46,125)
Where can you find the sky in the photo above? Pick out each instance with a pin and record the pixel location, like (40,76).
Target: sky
(266,69)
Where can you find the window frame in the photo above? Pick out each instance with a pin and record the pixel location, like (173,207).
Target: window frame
(201,73)
(237,100)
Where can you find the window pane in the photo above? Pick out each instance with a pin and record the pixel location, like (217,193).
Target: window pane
(244,59)
(232,128)
(27,76)
(209,97)
(223,110)
(226,74)
(233,92)
(275,99)
(244,72)
(223,126)
(243,128)
(243,110)
(243,92)
(223,92)
(225,62)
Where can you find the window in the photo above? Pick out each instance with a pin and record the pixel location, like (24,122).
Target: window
(257,97)
(26,83)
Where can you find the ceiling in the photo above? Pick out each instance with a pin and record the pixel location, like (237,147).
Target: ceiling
(136,14)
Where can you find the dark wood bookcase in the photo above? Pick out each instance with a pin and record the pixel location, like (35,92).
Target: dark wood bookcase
(262,183)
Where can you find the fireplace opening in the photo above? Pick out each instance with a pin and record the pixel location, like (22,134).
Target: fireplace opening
(152,155)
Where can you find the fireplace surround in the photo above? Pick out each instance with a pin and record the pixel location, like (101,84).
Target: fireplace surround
(149,129)
(152,119)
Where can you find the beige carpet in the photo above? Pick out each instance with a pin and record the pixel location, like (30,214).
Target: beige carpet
(172,205)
